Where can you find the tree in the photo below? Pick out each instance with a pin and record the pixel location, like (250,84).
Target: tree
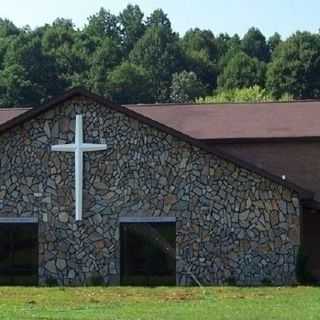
(186,87)
(62,22)
(70,51)
(295,68)
(242,71)
(103,24)
(255,46)
(274,41)
(222,44)
(28,75)
(7,32)
(227,47)
(15,88)
(200,54)
(132,27)
(129,83)
(4,44)
(158,53)
(8,28)
(158,19)
(38,63)
(104,59)
(58,39)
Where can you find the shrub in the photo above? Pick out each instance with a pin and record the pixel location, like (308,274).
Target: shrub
(251,94)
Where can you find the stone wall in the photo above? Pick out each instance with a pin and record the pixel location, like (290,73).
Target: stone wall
(232,225)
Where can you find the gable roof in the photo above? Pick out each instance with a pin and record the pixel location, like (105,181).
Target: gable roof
(7,114)
(228,121)
(32,113)
(238,121)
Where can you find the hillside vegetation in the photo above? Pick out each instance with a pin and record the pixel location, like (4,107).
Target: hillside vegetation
(131,58)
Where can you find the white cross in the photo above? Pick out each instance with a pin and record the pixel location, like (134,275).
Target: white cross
(79,148)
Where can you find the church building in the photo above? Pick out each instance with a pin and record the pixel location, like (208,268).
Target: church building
(97,193)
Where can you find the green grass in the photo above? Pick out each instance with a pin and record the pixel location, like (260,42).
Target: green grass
(160,303)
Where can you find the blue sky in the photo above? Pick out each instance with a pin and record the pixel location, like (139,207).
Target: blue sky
(232,16)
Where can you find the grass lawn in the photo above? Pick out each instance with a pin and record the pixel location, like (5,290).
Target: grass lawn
(160,303)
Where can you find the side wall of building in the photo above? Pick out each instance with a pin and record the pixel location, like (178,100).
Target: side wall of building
(231,224)
(298,161)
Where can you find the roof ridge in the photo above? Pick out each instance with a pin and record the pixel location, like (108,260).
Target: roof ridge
(182,104)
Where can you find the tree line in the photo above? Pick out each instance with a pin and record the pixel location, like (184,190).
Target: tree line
(131,58)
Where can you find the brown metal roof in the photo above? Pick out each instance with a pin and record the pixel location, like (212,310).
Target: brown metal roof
(227,121)
(7,114)
(238,121)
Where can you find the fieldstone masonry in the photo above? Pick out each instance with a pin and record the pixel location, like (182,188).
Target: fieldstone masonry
(232,224)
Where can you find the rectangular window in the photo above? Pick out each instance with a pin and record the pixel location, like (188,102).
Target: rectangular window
(148,253)
(18,253)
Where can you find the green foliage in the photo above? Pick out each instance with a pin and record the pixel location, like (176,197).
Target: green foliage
(186,87)
(200,55)
(132,27)
(158,19)
(158,53)
(241,71)
(274,41)
(8,28)
(62,43)
(254,45)
(15,88)
(40,63)
(106,57)
(251,94)
(295,67)
(103,24)
(129,83)
(28,74)
(225,43)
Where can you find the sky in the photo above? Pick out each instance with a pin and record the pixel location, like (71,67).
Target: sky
(231,16)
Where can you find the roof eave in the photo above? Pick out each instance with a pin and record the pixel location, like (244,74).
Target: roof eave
(259,140)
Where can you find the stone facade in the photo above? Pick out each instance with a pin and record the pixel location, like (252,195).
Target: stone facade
(231,224)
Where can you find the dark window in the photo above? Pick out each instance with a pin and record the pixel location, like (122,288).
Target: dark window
(148,254)
(18,254)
